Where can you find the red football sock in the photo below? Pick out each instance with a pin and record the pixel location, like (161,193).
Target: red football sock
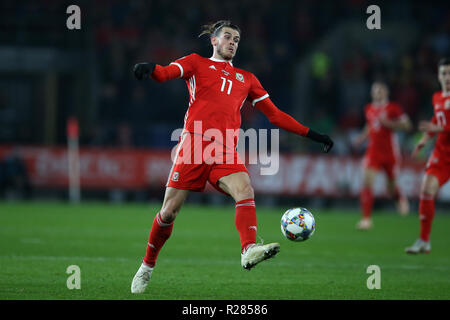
(426,215)
(245,221)
(160,232)
(366,200)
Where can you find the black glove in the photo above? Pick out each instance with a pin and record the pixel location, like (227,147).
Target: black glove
(142,71)
(321,138)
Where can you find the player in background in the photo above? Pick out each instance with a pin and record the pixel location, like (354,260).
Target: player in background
(437,171)
(383,117)
(217,91)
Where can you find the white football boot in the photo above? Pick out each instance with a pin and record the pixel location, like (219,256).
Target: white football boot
(364,224)
(141,279)
(255,253)
(419,246)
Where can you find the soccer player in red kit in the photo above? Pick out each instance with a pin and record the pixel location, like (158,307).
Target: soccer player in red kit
(217,91)
(437,171)
(382,154)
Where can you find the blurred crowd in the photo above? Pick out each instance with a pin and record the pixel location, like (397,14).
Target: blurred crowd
(276,38)
(273,37)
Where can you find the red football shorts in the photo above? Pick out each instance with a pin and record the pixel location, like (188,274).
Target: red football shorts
(439,167)
(389,166)
(197,161)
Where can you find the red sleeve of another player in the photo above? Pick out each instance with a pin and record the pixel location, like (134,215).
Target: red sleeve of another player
(444,116)
(433,101)
(257,92)
(366,110)
(280,118)
(432,134)
(433,119)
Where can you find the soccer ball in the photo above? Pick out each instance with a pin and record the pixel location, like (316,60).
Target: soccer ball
(298,224)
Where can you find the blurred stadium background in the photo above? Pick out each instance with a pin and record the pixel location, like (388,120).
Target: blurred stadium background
(316,59)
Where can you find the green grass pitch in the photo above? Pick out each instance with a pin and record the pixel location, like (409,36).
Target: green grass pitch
(39,240)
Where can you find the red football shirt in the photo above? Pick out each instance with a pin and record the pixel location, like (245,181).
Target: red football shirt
(217,92)
(382,140)
(441,105)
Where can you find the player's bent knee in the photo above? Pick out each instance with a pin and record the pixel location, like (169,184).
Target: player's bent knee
(368,179)
(427,193)
(168,215)
(169,211)
(244,192)
(430,186)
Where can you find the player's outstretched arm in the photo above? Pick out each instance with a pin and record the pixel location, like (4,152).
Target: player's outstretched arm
(420,144)
(286,122)
(432,128)
(403,123)
(150,70)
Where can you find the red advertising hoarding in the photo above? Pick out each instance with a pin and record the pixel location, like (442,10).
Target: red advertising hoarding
(306,175)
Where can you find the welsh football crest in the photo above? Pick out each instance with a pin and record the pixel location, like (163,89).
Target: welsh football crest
(239,77)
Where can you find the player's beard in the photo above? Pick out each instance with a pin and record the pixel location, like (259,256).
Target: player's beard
(225,54)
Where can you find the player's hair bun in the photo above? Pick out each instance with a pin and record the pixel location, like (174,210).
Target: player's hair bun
(213,29)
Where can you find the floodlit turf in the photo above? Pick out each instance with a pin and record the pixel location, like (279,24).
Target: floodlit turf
(38,241)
